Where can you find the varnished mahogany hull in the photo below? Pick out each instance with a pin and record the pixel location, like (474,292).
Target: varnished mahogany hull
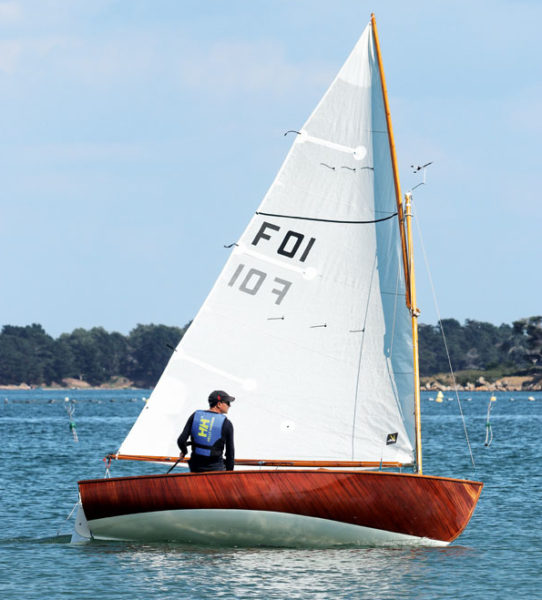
(430,508)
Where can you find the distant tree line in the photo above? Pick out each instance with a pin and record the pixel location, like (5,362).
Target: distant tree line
(480,346)
(29,355)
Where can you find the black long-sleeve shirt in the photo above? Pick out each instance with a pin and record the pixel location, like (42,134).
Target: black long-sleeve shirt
(198,462)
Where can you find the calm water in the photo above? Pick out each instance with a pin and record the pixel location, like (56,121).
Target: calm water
(499,555)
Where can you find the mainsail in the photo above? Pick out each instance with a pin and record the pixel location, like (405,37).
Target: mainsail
(307,325)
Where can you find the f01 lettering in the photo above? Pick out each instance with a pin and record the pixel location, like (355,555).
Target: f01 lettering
(292,243)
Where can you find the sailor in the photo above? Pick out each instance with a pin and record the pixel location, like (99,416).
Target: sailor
(210,431)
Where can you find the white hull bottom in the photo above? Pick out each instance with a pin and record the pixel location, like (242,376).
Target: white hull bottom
(246,528)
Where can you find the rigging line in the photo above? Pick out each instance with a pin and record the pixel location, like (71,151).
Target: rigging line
(389,362)
(393,373)
(454,382)
(326,220)
(389,359)
(395,308)
(67,518)
(399,293)
(361,354)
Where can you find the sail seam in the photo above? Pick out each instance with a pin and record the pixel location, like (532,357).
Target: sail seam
(326,220)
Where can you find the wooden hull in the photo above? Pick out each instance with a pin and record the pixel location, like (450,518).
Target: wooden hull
(284,508)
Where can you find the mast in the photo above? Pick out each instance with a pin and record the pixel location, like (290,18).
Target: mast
(414,312)
(405,230)
(398,196)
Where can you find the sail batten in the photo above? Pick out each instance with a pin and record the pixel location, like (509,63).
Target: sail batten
(295,217)
(305,324)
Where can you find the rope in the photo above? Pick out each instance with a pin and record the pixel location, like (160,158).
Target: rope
(67,518)
(328,220)
(454,382)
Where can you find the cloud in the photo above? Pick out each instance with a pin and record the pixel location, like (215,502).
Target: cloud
(10,52)
(524,113)
(231,67)
(27,55)
(66,58)
(84,152)
(49,44)
(10,12)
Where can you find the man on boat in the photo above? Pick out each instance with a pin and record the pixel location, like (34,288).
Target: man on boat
(210,431)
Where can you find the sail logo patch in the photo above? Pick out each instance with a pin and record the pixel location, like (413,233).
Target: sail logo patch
(391,438)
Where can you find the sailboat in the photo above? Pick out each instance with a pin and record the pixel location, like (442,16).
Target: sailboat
(312,326)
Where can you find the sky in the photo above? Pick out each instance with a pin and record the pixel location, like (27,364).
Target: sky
(138,137)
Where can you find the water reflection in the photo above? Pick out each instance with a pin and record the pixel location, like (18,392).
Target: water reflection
(270,573)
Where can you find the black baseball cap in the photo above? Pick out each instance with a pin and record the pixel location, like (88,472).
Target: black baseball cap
(220,396)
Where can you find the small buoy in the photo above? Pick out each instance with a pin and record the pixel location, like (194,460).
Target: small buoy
(70,409)
(531,398)
(489,430)
(512,399)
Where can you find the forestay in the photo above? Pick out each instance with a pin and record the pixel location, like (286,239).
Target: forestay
(307,323)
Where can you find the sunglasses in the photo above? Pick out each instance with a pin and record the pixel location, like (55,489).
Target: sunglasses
(226,402)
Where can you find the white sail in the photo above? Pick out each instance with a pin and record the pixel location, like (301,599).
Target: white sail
(307,324)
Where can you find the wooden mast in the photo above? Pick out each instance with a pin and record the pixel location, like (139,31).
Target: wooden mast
(414,312)
(406,246)
(398,197)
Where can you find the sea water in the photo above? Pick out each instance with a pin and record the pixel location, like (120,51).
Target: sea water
(498,556)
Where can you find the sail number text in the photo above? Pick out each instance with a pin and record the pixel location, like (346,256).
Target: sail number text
(291,243)
(250,280)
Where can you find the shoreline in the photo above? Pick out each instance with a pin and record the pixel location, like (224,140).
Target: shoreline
(116,383)
(511,383)
(428,384)
(47,388)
